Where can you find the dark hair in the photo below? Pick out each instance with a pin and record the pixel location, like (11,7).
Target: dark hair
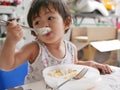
(58,5)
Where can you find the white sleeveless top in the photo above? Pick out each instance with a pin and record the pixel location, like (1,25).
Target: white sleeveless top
(45,59)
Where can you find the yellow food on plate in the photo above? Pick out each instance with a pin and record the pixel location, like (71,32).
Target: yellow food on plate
(65,73)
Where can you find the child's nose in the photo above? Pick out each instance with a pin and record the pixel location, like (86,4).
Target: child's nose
(45,24)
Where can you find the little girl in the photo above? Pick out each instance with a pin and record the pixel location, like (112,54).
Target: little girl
(47,50)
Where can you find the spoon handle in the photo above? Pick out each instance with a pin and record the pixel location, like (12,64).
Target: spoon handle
(26,27)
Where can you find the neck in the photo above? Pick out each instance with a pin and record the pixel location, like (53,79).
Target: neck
(55,45)
(57,49)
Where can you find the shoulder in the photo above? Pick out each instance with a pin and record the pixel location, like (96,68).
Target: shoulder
(31,49)
(31,45)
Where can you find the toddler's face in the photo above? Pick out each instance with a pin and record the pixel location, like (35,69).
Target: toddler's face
(52,19)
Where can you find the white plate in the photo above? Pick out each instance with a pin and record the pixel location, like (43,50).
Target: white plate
(91,77)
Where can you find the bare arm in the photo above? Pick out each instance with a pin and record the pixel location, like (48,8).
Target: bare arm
(103,68)
(7,55)
(10,59)
(76,61)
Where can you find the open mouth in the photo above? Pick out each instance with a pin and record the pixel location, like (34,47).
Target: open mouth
(47,34)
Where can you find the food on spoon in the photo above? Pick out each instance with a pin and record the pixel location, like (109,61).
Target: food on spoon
(43,31)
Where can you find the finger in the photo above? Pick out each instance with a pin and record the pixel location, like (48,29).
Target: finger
(19,35)
(18,30)
(11,23)
(108,69)
(12,28)
(102,69)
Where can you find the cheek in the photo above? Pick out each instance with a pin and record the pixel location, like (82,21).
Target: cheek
(58,23)
(59,30)
(60,26)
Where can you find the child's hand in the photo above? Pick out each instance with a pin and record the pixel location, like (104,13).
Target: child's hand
(103,68)
(14,32)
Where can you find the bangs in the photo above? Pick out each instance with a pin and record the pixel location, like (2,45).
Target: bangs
(45,8)
(46,5)
(38,5)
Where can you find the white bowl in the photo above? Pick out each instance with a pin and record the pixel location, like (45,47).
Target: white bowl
(91,77)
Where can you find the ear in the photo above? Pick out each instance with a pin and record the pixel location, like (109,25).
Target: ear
(67,23)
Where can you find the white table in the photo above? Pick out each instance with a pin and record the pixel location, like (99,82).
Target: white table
(108,82)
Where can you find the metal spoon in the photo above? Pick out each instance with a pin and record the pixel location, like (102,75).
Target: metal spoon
(40,31)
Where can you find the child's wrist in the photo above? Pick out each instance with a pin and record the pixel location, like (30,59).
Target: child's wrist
(10,41)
